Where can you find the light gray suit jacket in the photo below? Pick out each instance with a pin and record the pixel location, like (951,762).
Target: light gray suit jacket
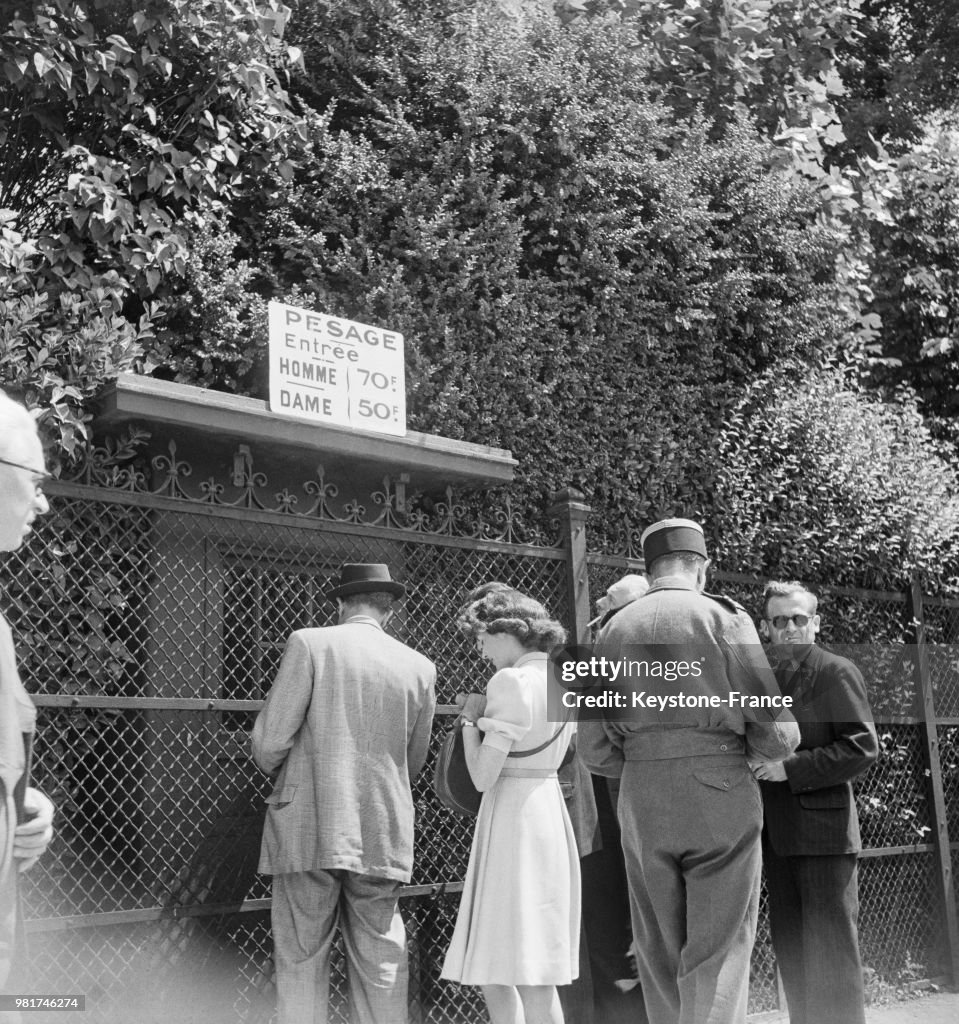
(347,726)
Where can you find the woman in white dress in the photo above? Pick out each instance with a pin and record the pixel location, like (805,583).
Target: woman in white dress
(517,931)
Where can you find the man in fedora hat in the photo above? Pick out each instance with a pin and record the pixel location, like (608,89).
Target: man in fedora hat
(689,807)
(344,731)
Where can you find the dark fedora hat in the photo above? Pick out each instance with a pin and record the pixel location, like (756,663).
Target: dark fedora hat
(365,578)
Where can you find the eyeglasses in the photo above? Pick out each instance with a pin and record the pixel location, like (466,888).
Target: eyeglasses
(782,621)
(41,475)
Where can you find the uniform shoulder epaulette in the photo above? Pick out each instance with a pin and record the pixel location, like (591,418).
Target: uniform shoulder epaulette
(727,602)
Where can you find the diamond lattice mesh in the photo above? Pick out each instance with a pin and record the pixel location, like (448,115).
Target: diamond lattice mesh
(141,602)
(900,917)
(942,632)
(763,990)
(902,932)
(949,764)
(160,808)
(891,795)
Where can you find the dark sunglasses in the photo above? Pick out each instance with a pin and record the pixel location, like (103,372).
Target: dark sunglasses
(782,621)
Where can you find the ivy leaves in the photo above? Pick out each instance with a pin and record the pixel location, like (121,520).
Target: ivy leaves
(124,131)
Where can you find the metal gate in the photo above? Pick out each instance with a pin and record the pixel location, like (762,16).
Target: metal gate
(150,625)
(150,612)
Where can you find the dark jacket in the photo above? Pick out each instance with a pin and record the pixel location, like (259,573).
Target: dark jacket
(813,812)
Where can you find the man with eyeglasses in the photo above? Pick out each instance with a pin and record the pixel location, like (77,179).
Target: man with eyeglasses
(811,829)
(26,815)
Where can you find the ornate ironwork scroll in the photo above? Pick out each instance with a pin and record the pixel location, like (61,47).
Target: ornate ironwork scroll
(122,464)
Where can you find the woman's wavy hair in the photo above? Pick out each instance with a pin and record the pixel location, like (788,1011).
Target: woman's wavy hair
(499,608)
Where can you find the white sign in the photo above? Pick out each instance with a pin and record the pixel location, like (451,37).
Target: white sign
(329,370)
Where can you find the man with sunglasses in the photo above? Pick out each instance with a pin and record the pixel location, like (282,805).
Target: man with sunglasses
(811,830)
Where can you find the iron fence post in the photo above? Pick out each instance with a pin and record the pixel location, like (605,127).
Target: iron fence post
(936,795)
(570,507)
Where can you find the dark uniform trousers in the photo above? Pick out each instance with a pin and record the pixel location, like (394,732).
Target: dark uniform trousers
(696,824)
(814,906)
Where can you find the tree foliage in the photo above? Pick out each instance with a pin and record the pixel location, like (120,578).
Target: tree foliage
(821,480)
(915,276)
(774,58)
(595,231)
(215,320)
(831,82)
(902,68)
(579,276)
(123,127)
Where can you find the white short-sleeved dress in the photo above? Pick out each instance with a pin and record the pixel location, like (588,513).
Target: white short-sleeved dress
(518,921)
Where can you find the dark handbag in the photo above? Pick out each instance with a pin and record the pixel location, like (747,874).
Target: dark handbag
(452,782)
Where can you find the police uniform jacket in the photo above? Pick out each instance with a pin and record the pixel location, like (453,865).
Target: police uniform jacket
(813,812)
(674,613)
(346,726)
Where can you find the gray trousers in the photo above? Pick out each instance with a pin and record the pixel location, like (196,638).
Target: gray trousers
(307,907)
(691,836)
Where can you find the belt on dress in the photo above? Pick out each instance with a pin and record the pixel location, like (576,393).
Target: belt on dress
(529,773)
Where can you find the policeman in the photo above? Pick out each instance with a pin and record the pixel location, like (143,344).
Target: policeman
(689,807)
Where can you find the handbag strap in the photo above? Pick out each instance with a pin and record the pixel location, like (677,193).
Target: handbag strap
(542,746)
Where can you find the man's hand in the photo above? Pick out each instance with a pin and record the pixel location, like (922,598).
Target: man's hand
(32,837)
(769,771)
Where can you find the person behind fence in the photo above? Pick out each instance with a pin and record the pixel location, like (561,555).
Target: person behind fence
(616,996)
(618,594)
(345,730)
(22,474)
(517,930)
(811,838)
(689,806)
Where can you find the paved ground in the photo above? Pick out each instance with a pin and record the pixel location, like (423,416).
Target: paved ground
(938,1008)
(935,1008)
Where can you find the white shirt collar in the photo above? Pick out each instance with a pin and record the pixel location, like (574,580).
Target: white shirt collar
(365,620)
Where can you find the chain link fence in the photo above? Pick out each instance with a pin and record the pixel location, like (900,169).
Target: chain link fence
(149,629)
(149,632)
(902,923)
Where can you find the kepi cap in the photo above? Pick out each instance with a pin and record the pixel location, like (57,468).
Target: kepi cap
(365,578)
(670,536)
